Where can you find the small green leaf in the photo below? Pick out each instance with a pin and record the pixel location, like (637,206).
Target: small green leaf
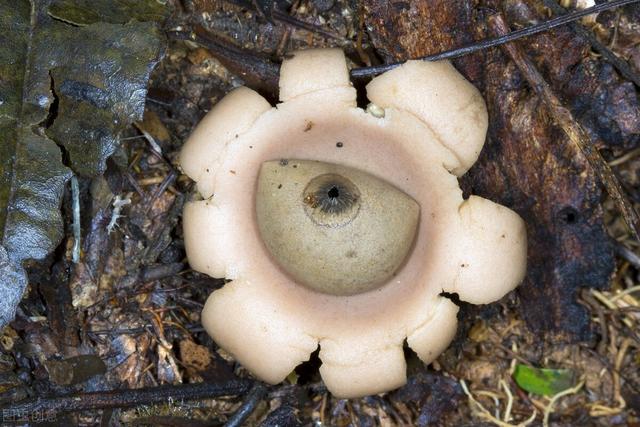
(546,382)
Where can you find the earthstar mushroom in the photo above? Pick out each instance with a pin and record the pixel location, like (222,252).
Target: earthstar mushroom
(341,228)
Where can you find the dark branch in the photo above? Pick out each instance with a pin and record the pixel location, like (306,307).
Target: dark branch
(254,397)
(257,71)
(286,19)
(276,15)
(509,37)
(78,402)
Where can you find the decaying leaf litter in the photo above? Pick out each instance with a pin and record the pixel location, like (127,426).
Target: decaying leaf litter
(127,315)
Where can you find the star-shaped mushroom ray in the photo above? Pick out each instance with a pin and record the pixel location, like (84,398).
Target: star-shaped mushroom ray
(489,251)
(433,336)
(311,70)
(441,97)
(271,329)
(370,359)
(362,364)
(205,148)
(267,335)
(206,226)
(222,240)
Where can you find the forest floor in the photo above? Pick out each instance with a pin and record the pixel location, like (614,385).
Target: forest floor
(127,315)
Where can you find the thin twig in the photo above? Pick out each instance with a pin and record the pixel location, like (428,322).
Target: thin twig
(151,140)
(80,402)
(570,126)
(620,64)
(622,351)
(196,327)
(589,301)
(626,253)
(75,197)
(166,182)
(292,22)
(134,184)
(254,397)
(507,37)
(604,299)
(507,411)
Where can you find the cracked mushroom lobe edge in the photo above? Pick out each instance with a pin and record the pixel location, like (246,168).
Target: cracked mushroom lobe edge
(433,129)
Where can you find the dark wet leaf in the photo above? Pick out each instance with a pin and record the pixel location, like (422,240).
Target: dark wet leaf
(545,382)
(434,394)
(13,281)
(32,175)
(36,177)
(98,73)
(102,90)
(77,87)
(75,370)
(283,416)
(85,12)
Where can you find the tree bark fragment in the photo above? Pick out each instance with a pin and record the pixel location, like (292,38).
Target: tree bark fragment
(528,162)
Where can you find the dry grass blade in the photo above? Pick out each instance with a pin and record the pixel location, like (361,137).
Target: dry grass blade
(549,409)
(486,415)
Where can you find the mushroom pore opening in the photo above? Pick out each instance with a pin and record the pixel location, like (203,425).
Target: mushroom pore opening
(331,200)
(334,192)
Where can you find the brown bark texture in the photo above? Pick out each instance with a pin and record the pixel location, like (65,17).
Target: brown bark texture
(528,162)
